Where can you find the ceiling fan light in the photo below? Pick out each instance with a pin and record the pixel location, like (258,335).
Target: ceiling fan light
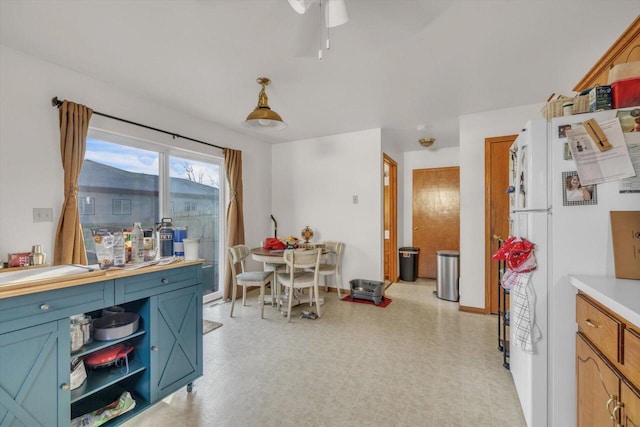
(426,142)
(336,13)
(300,6)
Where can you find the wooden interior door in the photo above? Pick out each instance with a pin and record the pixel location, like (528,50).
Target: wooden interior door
(436,215)
(496,154)
(390,219)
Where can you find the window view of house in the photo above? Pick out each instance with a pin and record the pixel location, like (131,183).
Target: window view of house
(121,184)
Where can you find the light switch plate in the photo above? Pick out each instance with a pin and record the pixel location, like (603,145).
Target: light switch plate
(355,200)
(42,214)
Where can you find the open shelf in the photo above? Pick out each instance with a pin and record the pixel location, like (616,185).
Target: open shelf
(99,345)
(101,378)
(106,397)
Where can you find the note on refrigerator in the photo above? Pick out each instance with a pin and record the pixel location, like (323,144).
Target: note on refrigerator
(595,166)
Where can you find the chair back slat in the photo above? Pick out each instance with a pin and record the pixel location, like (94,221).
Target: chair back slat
(302,258)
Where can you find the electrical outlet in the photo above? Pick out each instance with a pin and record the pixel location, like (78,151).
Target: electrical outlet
(42,214)
(355,200)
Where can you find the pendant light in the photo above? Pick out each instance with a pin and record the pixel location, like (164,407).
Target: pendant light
(263,117)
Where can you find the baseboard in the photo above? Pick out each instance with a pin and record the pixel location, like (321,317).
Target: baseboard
(474,310)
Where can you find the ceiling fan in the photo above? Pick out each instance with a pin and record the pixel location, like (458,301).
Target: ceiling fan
(335,14)
(335,11)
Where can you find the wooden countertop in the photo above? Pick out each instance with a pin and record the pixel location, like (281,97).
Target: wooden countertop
(42,285)
(621,296)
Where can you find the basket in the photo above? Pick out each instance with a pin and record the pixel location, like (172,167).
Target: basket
(554,108)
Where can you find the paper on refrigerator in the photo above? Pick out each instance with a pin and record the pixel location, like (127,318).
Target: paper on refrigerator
(595,166)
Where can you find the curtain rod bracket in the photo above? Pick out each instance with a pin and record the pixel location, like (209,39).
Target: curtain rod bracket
(56,102)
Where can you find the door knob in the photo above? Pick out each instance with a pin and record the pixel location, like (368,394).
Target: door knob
(154,348)
(64,387)
(415,228)
(496,237)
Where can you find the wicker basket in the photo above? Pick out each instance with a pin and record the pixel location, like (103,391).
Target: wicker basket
(554,108)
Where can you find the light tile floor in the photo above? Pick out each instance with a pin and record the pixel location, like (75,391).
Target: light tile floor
(417,362)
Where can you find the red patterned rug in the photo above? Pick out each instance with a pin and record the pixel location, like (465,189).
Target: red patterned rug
(385,301)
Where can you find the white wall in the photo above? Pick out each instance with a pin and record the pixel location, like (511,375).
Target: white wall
(30,165)
(474,129)
(313,183)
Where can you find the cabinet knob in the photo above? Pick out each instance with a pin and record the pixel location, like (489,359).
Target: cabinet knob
(165,281)
(154,348)
(64,387)
(44,307)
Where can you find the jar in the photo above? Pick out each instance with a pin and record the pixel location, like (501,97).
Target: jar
(86,325)
(76,337)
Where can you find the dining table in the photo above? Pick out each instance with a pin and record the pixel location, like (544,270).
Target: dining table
(273,260)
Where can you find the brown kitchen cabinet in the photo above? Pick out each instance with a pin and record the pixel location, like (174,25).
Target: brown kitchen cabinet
(625,49)
(607,375)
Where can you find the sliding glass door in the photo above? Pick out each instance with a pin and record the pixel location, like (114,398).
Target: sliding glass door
(126,180)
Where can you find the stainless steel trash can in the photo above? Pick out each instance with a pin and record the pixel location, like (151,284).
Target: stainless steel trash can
(447,275)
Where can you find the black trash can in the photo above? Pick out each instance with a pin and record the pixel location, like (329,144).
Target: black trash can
(408,263)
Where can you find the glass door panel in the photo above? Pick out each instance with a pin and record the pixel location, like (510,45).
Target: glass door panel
(194,203)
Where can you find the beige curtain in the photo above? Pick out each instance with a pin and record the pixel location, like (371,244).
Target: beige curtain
(235,216)
(74,125)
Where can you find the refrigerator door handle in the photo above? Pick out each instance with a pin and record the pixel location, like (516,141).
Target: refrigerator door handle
(531,210)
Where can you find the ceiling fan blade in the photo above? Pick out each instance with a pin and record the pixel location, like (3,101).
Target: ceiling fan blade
(336,13)
(300,6)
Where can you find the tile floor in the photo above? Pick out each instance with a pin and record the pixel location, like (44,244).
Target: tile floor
(417,362)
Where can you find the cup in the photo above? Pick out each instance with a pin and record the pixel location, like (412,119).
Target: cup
(191,248)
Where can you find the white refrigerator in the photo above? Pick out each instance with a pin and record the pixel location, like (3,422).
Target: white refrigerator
(530,219)
(570,238)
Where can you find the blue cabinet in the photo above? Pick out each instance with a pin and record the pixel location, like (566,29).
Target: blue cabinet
(176,340)
(33,381)
(35,345)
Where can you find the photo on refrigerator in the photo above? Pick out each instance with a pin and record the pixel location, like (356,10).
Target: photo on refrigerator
(575,194)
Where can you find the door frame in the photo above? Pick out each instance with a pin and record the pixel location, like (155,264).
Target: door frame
(488,261)
(393,217)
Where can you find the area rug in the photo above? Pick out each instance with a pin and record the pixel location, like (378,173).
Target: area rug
(209,325)
(385,301)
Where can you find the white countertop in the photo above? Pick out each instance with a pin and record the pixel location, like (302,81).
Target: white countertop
(621,296)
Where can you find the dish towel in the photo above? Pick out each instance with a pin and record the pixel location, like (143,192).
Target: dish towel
(523,300)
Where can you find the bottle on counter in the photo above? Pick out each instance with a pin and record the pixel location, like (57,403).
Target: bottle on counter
(119,253)
(137,244)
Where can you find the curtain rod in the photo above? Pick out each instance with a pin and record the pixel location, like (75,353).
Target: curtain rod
(57,103)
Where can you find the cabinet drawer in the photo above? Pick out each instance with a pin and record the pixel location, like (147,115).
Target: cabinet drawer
(131,288)
(28,310)
(631,355)
(602,329)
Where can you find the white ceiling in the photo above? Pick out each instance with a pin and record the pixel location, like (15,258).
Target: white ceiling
(397,64)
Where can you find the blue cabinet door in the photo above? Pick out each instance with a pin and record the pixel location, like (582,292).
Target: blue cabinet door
(176,340)
(31,391)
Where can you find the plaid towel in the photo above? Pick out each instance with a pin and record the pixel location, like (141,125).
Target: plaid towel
(525,330)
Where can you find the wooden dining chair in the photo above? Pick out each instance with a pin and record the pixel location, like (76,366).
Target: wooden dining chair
(333,266)
(238,255)
(303,266)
